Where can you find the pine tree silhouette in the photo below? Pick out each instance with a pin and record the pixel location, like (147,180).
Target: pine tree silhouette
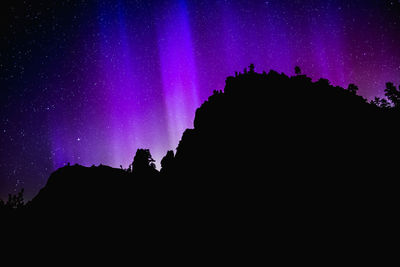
(392,94)
(297,70)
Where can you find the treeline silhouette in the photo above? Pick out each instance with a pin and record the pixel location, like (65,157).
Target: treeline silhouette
(269,149)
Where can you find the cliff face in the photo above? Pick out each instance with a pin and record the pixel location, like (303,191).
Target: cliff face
(274,125)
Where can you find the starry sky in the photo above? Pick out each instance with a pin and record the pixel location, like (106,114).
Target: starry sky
(89,82)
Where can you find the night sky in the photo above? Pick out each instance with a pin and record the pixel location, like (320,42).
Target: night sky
(89,82)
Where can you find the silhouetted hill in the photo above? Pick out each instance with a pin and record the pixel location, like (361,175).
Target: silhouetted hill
(264,132)
(91,190)
(269,152)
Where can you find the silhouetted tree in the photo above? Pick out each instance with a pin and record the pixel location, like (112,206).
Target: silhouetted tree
(130,168)
(251,68)
(352,88)
(393,94)
(14,201)
(143,161)
(167,161)
(297,70)
(380,102)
